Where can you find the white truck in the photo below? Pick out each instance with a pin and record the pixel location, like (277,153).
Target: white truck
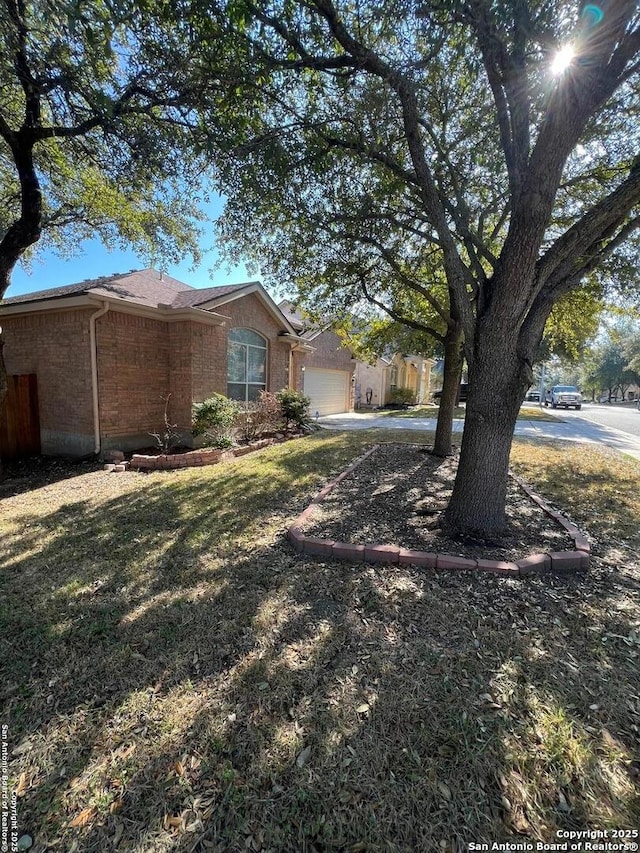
(564,396)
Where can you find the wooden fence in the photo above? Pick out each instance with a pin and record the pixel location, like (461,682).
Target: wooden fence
(19,418)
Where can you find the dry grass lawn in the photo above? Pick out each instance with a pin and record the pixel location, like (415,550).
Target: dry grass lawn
(177,679)
(527,413)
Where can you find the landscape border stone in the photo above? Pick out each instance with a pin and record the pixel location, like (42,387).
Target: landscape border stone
(198,458)
(561,562)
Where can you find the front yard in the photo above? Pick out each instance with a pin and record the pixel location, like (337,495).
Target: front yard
(177,679)
(527,413)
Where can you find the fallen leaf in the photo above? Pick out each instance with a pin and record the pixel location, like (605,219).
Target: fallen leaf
(303,757)
(171,822)
(116,805)
(444,790)
(85,816)
(23,785)
(117,835)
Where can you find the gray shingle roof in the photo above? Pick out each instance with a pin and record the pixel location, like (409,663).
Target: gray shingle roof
(146,287)
(199,296)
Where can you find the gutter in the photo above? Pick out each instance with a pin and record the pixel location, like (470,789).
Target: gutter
(297,344)
(94,375)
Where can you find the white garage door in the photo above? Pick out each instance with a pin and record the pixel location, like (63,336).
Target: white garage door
(327,389)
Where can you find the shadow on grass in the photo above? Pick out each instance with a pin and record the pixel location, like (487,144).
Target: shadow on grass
(180,680)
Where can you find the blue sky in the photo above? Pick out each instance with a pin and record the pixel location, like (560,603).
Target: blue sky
(93,259)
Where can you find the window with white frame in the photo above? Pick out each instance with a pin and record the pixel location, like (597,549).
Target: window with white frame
(246,365)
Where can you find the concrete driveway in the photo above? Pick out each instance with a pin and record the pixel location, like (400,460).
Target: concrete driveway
(574,429)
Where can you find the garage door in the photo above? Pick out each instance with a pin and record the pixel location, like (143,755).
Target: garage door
(327,389)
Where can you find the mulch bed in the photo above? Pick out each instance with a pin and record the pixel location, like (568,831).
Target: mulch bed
(417,486)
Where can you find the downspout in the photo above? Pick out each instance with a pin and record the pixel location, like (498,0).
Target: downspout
(94,375)
(290,376)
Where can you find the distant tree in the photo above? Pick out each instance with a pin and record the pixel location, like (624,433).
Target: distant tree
(607,366)
(588,378)
(631,349)
(401,318)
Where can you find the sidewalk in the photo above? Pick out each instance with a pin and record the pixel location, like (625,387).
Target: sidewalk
(573,430)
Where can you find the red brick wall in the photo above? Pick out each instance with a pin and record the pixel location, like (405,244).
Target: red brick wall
(297,361)
(209,360)
(250,313)
(329,353)
(133,373)
(140,360)
(55,346)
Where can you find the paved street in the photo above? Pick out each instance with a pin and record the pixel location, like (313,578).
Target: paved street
(571,426)
(622,416)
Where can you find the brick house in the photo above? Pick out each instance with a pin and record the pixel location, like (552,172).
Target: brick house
(326,372)
(106,352)
(337,382)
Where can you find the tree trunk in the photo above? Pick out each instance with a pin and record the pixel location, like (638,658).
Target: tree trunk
(3,388)
(498,381)
(23,232)
(450,391)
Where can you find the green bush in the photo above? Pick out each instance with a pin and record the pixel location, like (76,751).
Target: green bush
(402,397)
(213,419)
(295,408)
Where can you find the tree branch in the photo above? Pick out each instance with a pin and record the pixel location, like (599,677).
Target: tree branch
(609,213)
(400,318)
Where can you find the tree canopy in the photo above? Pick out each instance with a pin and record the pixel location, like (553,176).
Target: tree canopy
(444,137)
(105,109)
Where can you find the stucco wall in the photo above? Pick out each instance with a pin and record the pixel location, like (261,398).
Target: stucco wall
(370,376)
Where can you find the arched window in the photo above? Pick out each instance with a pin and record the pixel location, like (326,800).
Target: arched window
(246,365)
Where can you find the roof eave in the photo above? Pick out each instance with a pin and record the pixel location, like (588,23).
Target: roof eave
(88,300)
(257,288)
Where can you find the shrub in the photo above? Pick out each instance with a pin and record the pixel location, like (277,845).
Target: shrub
(170,436)
(295,407)
(213,419)
(254,419)
(402,397)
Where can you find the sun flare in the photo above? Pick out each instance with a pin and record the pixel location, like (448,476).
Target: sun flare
(562,59)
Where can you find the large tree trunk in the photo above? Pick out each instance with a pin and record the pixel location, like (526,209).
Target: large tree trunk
(451,382)
(23,232)
(498,381)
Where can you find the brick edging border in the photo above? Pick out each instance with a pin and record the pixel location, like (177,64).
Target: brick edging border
(198,458)
(557,561)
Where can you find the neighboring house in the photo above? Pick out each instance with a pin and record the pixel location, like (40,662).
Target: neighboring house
(331,374)
(326,374)
(372,383)
(413,372)
(105,352)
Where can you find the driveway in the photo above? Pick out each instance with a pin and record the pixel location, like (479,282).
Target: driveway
(573,429)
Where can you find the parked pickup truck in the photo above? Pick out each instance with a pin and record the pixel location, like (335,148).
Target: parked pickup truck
(565,396)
